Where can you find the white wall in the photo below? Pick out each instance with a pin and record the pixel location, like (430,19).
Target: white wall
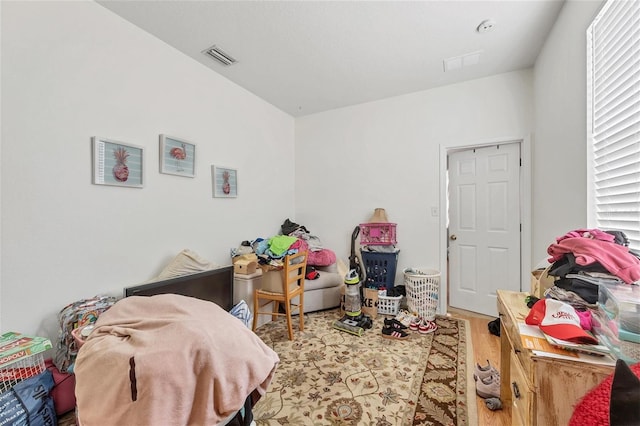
(1,327)
(386,154)
(72,70)
(559,151)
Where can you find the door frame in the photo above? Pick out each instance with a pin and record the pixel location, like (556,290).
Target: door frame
(525,209)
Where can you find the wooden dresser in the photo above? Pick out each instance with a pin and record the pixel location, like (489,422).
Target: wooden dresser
(541,390)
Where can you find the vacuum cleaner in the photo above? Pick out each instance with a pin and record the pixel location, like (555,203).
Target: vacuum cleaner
(353,321)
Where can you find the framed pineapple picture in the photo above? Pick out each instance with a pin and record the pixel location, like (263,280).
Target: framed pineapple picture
(117,163)
(177,156)
(225,182)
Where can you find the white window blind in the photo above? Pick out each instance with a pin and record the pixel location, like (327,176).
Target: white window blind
(613,119)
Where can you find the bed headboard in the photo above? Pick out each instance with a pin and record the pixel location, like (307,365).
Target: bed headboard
(215,285)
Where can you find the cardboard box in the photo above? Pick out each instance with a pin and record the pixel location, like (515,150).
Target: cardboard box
(272,280)
(541,281)
(245,267)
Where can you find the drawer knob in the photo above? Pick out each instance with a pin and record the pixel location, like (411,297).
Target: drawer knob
(516,391)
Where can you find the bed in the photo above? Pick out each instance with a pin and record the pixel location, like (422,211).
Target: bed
(170,359)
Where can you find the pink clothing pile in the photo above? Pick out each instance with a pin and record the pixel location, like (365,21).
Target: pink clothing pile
(615,258)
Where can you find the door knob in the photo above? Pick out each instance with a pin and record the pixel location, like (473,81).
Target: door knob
(453,237)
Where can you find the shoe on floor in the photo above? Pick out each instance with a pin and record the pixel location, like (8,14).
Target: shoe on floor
(427,327)
(489,387)
(394,333)
(415,323)
(405,317)
(485,371)
(392,322)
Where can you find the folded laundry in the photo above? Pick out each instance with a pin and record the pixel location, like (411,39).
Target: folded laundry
(614,257)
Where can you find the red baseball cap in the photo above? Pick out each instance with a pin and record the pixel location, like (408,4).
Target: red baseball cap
(559,320)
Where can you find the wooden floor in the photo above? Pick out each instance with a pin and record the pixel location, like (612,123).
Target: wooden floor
(486,346)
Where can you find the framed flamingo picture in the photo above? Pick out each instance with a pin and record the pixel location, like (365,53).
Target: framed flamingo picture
(177,156)
(117,163)
(225,182)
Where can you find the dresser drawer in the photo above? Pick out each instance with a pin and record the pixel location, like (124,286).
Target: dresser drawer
(522,397)
(510,325)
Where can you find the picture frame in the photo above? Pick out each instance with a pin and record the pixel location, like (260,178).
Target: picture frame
(117,163)
(225,182)
(177,156)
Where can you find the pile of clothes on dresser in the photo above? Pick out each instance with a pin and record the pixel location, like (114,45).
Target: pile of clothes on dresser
(596,284)
(583,259)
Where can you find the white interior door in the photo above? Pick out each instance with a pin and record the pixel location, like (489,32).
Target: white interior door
(484,226)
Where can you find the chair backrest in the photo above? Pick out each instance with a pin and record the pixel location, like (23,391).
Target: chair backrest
(294,271)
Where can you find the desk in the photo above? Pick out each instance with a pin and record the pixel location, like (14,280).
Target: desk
(541,390)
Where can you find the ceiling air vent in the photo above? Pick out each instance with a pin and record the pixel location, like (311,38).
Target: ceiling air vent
(220,55)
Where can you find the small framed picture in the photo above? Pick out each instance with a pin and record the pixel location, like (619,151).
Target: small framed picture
(225,182)
(177,156)
(117,163)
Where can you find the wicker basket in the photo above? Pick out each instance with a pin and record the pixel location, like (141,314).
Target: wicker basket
(388,305)
(422,286)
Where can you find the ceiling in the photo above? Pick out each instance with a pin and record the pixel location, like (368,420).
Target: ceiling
(311,56)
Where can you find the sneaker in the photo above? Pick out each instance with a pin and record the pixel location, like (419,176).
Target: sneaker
(394,323)
(405,317)
(427,327)
(394,333)
(482,372)
(415,323)
(489,387)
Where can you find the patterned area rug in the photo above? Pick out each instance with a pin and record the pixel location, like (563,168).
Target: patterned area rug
(329,377)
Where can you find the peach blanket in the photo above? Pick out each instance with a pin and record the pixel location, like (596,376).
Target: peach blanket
(169,360)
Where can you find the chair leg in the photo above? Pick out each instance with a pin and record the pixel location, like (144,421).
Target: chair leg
(301,311)
(287,309)
(255,313)
(276,309)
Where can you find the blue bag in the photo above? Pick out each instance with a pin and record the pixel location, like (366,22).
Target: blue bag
(29,402)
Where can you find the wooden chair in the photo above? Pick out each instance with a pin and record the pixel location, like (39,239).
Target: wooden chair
(292,286)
